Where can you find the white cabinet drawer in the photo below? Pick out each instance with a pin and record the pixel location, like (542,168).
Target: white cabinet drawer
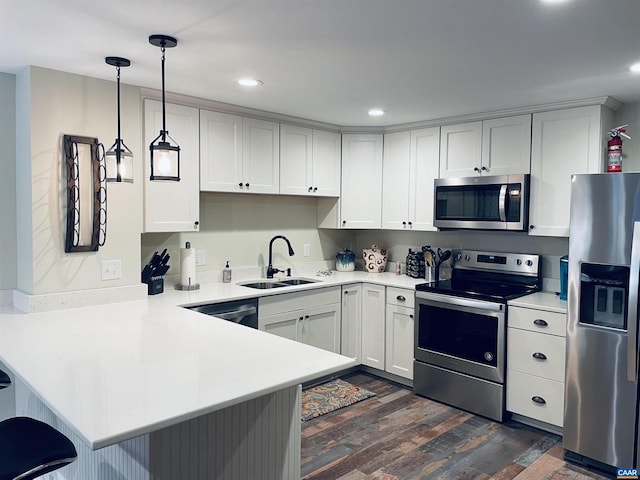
(536,354)
(288,302)
(538,320)
(523,390)
(402,297)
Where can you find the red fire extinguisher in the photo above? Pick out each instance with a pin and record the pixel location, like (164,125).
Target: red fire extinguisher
(614,148)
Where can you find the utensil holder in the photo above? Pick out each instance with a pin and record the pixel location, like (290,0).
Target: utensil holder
(430,274)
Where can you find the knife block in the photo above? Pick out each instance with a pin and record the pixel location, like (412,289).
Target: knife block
(155,285)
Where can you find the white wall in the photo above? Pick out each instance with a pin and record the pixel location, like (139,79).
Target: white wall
(398,244)
(8,264)
(51,104)
(239,227)
(630,113)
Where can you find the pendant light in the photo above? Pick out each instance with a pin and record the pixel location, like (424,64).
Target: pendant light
(165,157)
(119,159)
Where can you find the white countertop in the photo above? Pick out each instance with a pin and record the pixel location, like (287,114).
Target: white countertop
(114,372)
(548,301)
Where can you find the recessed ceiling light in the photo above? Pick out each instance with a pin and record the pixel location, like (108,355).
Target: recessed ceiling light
(376,112)
(250,82)
(635,68)
(554,1)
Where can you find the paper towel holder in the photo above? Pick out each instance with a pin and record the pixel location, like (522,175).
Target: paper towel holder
(190,286)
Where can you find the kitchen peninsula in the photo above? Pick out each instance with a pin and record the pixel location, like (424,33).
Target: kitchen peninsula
(149,390)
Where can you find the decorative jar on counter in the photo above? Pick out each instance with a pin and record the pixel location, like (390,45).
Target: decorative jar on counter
(375,259)
(345,261)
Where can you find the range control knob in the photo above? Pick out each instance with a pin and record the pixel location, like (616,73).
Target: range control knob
(467,257)
(518,262)
(529,263)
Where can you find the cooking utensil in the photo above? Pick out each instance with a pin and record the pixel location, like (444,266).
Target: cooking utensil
(428,259)
(443,256)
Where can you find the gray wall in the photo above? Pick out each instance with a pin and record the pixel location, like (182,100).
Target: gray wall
(8,265)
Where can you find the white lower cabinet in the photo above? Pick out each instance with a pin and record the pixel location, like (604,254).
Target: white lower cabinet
(536,364)
(399,332)
(351,339)
(373,328)
(312,317)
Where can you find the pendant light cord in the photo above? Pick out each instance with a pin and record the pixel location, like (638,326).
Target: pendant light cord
(164,113)
(119,137)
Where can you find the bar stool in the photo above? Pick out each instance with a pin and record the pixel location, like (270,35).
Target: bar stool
(30,448)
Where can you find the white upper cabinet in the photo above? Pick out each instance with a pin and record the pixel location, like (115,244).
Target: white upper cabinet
(410,166)
(172,206)
(361,192)
(564,142)
(460,150)
(500,146)
(309,162)
(506,145)
(238,154)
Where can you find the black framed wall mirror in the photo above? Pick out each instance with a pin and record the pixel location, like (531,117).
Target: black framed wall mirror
(86,194)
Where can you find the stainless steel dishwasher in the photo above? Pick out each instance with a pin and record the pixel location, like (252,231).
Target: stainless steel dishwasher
(243,312)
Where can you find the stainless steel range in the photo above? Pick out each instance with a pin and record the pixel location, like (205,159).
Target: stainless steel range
(460,330)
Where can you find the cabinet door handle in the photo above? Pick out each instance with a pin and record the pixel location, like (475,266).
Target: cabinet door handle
(195,224)
(344,222)
(246,184)
(404,223)
(484,169)
(411,316)
(540,322)
(476,169)
(315,189)
(539,400)
(240,184)
(531,227)
(401,298)
(410,223)
(306,316)
(310,189)
(539,356)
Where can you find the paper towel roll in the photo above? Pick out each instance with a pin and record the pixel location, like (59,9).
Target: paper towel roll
(188,265)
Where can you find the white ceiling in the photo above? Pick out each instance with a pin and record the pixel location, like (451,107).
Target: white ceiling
(331,60)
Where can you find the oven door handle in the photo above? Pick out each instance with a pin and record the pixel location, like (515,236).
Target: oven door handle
(438,299)
(502,203)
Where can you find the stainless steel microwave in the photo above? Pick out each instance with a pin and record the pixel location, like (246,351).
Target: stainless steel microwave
(498,202)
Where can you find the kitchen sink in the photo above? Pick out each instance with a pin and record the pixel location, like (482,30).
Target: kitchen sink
(263,285)
(298,281)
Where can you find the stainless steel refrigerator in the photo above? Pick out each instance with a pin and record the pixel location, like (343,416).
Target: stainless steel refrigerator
(601,386)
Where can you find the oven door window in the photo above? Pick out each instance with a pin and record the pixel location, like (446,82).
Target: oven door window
(461,334)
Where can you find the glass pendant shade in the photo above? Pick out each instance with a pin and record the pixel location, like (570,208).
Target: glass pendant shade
(165,156)
(119,159)
(165,160)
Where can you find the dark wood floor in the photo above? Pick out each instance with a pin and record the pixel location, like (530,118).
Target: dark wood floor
(398,435)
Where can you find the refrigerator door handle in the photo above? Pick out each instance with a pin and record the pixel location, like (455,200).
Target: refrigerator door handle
(632,320)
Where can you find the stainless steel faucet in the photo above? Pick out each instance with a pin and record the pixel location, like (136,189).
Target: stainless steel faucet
(270,269)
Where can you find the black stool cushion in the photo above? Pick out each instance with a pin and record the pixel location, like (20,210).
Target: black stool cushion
(5,381)
(28,445)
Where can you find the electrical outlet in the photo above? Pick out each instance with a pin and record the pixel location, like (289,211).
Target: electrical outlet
(307,250)
(111,269)
(201,257)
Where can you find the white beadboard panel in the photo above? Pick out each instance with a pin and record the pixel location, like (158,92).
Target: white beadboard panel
(256,439)
(127,460)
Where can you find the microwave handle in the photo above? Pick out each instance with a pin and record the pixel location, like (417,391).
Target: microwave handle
(502,203)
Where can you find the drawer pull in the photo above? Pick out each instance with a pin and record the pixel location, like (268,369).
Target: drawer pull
(400,298)
(539,356)
(541,323)
(539,400)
